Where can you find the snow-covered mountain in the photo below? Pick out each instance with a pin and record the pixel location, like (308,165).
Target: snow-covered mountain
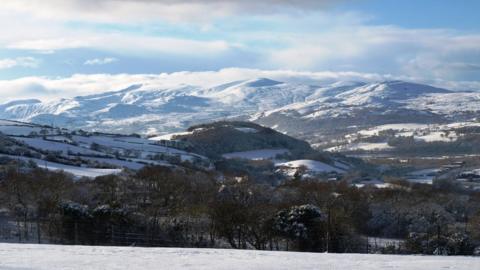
(359,106)
(296,109)
(143,109)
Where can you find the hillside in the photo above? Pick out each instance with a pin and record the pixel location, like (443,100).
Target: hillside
(220,138)
(363,106)
(202,147)
(86,154)
(245,148)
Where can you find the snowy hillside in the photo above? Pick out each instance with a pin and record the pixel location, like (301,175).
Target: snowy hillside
(43,257)
(383,137)
(297,109)
(85,154)
(368,105)
(92,154)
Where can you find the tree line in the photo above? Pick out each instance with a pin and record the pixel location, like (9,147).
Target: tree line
(172,206)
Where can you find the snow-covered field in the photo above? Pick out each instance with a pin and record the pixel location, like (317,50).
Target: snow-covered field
(428,133)
(398,127)
(74,170)
(48,257)
(86,154)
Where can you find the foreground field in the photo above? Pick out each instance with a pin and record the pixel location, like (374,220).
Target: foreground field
(36,257)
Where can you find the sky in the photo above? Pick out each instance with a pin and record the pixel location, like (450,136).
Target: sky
(60,48)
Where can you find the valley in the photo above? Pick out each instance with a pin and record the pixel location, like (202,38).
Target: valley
(396,125)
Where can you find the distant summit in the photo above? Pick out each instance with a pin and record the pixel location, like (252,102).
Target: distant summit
(261,82)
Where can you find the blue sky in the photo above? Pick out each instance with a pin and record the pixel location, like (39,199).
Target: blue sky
(426,40)
(461,14)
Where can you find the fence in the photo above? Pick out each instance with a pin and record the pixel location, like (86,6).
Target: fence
(87,233)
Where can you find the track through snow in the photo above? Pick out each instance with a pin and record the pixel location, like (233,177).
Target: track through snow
(43,257)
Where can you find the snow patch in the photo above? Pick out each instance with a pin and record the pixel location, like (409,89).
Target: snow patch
(311,165)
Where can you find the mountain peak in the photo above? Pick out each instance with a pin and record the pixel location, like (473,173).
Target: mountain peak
(261,82)
(423,88)
(391,90)
(20,102)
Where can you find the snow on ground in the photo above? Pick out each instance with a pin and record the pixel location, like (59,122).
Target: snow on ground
(169,136)
(379,185)
(397,127)
(438,136)
(15,128)
(144,146)
(39,143)
(370,146)
(18,130)
(312,165)
(47,257)
(420,132)
(256,154)
(360,146)
(448,103)
(134,152)
(88,154)
(76,171)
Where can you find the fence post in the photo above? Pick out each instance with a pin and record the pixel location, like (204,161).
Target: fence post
(113,235)
(38,232)
(76,233)
(367,245)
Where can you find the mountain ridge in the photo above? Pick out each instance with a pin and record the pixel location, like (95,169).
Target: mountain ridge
(291,107)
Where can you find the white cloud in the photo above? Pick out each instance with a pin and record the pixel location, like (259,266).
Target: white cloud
(28,62)
(82,84)
(47,34)
(424,53)
(100,61)
(123,44)
(138,11)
